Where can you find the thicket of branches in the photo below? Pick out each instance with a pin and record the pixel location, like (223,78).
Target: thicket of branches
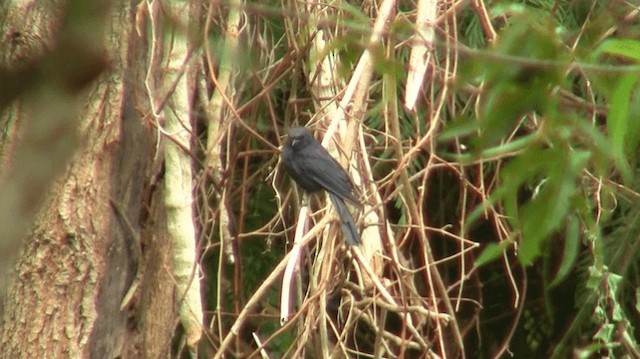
(500,210)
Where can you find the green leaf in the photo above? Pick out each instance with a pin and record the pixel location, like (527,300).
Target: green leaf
(545,213)
(605,332)
(458,129)
(516,173)
(632,138)
(504,104)
(355,12)
(622,125)
(503,150)
(617,121)
(623,47)
(571,248)
(492,252)
(555,171)
(480,210)
(595,278)
(519,76)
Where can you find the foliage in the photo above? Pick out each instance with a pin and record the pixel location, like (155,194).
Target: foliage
(524,145)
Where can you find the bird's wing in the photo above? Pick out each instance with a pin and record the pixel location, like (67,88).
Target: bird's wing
(295,168)
(325,170)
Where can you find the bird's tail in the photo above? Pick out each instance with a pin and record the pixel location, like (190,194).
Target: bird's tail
(349,228)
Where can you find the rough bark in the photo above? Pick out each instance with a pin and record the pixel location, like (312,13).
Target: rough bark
(26,34)
(64,297)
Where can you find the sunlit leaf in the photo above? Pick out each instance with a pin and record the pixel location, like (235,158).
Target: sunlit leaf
(624,47)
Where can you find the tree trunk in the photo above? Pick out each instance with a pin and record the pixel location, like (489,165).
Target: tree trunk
(88,245)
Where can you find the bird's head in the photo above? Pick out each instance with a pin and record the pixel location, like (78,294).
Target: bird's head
(299,137)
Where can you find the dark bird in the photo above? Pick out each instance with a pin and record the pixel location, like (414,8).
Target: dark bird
(313,169)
